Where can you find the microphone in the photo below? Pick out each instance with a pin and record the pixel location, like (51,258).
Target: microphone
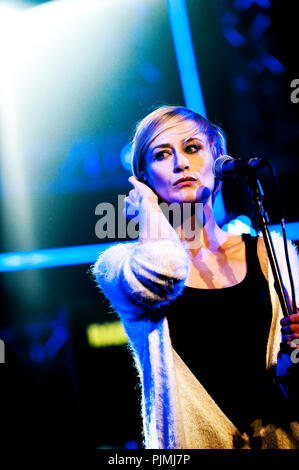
(226,167)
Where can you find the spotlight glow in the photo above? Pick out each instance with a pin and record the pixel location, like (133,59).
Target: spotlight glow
(106,334)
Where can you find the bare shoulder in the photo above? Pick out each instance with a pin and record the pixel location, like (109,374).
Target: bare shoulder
(230,247)
(234,246)
(231,241)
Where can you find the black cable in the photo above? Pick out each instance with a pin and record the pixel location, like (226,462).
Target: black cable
(282,223)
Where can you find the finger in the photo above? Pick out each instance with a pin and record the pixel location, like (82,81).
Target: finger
(134,181)
(290,337)
(133,193)
(130,200)
(294,318)
(292,328)
(129,213)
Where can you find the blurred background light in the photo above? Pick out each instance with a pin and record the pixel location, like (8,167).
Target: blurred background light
(180,28)
(73,255)
(51,257)
(106,334)
(239,225)
(233,37)
(58,338)
(126,157)
(292,230)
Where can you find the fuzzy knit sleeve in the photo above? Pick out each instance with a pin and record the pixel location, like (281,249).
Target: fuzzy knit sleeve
(294,262)
(135,276)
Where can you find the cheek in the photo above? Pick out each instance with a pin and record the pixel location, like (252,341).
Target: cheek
(207,169)
(209,175)
(157,177)
(159,182)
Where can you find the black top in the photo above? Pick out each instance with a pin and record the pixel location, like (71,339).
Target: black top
(221,335)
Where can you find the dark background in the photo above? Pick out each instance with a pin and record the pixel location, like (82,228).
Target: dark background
(80,89)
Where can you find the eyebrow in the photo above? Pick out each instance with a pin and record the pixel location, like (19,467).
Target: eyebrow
(161,146)
(192,138)
(164,146)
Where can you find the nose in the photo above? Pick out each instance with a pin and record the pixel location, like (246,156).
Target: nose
(181,162)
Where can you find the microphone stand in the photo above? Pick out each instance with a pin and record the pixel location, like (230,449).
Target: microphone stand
(257,196)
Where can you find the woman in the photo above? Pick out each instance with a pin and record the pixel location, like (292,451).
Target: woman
(200,312)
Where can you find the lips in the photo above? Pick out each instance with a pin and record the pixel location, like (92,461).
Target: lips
(187,178)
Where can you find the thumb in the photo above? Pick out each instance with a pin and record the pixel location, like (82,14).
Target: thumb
(137,183)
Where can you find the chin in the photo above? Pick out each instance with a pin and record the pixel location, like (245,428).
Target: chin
(200,195)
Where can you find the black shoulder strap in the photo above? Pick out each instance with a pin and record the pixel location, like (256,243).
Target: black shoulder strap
(251,253)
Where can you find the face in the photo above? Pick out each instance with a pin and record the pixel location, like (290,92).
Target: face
(179,152)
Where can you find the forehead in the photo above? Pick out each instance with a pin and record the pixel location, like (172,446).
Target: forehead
(178,132)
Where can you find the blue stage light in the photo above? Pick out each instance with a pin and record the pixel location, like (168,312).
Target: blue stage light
(245,4)
(241,225)
(92,164)
(272,64)
(87,254)
(150,72)
(51,257)
(292,230)
(126,157)
(185,55)
(37,353)
(58,338)
(259,25)
(233,37)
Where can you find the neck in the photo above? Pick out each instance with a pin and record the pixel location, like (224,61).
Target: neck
(199,230)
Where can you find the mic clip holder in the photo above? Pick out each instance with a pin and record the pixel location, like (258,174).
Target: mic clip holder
(257,196)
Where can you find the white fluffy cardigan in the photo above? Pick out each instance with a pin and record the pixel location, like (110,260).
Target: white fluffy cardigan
(177,411)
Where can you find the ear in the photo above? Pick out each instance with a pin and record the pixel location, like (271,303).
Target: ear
(143,176)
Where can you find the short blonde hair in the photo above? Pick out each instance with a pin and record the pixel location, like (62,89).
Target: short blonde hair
(161,119)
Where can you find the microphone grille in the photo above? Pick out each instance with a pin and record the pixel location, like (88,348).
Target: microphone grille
(218,163)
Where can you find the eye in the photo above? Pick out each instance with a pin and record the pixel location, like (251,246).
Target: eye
(161,155)
(192,148)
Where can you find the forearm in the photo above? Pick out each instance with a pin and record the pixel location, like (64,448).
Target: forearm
(134,276)
(153,224)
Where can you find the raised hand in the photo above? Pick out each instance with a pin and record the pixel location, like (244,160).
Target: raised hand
(140,194)
(290,329)
(153,225)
